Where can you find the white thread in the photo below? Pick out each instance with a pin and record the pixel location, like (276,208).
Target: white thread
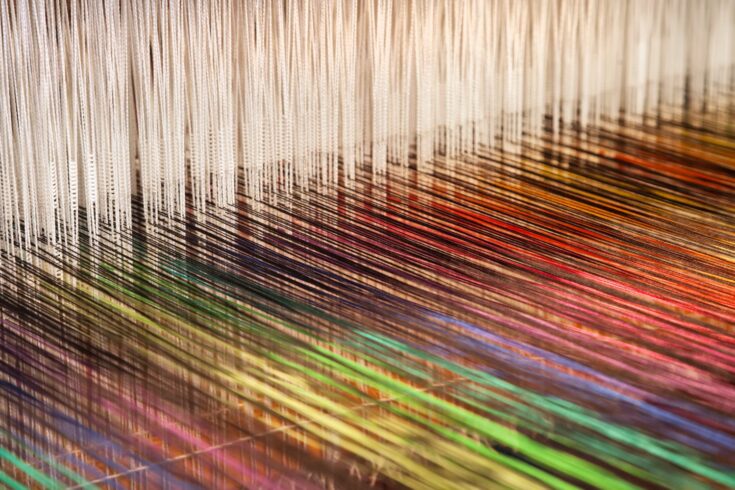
(100,99)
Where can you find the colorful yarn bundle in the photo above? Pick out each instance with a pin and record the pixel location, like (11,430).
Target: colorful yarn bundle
(558,317)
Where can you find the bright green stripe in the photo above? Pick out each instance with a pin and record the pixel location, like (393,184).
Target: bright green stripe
(574,413)
(14,485)
(509,461)
(40,477)
(573,466)
(51,462)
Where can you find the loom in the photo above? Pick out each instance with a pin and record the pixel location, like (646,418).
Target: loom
(367,244)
